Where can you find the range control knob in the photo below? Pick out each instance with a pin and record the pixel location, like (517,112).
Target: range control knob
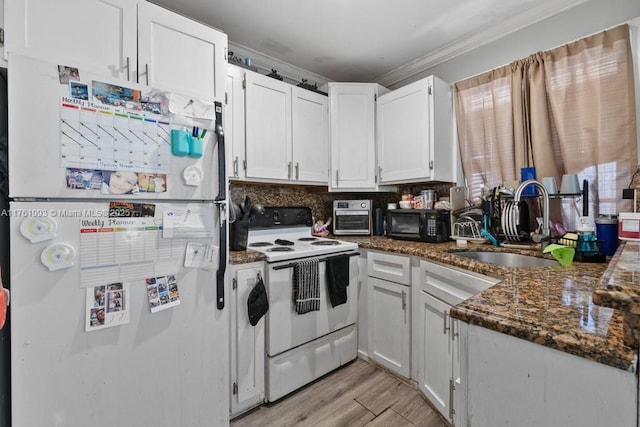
(363,205)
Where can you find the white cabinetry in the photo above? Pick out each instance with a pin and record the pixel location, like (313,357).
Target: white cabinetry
(310,136)
(389,311)
(234,123)
(512,382)
(126,39)
(100,34)
(415,138)
(180,55)
(247,342)
(268,128)
(436,335)
(352,111)
(286,132)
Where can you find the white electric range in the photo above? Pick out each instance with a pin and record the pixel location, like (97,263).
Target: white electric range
(302,347)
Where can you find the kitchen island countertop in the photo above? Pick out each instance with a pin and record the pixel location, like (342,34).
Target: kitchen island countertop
(551,306)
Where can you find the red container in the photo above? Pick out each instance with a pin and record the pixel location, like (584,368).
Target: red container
(629,226)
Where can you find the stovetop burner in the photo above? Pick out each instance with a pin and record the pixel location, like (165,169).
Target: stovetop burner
(284,242)
(281,249)
(260,244)
(326,243)
(288,229)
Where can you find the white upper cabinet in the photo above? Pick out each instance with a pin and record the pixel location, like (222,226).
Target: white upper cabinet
(126,39)
(268,128)
(286,133)
(99,34)
(310,136)
(352,117)
(180,55)
(415,133)
(234,123)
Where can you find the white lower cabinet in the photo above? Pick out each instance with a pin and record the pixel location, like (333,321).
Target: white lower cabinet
(247,342)
(436,360)
(514,382)
(436,336)
(389,311)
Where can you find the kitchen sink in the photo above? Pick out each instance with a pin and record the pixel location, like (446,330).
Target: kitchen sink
(507,259)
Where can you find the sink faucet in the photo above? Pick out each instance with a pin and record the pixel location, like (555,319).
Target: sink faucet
(546,231)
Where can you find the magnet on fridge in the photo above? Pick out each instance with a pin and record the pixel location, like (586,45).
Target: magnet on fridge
(38,229)
(180,141)
(195,148)
(58,256)
(192,176)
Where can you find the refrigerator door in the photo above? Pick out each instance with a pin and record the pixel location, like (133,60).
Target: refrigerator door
(68,261)
(52,129)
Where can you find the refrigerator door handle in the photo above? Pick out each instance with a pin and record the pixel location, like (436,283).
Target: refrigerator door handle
(222,266)
(221,202)
(222,172)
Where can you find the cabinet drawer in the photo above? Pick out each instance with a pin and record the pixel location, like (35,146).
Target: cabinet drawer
(394,268)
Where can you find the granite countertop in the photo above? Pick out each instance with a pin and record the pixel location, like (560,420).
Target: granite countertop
(245,257)
(551,306)
(620,289)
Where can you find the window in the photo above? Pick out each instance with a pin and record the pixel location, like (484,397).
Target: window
(567,110)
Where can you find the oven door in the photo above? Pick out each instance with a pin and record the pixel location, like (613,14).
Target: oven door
(351,222)
(287,329)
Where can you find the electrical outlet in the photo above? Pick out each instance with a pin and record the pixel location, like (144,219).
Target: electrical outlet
(628,193)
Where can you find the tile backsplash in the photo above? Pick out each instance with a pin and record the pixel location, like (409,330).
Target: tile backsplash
(319,199)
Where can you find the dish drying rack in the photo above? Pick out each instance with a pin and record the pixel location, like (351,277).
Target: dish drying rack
(468,228)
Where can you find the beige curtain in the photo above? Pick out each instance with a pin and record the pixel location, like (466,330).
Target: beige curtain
(485,130)
(568,110)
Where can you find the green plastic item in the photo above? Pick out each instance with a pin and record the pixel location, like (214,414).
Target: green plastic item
(563,254)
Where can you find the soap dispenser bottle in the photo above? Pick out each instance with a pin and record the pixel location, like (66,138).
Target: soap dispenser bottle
(586,236)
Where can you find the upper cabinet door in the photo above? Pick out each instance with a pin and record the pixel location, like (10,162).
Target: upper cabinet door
(180,55)
(95,34)
(415,133)
(234,123)
(310,136)
(268,128)
(352,115)
(404,143)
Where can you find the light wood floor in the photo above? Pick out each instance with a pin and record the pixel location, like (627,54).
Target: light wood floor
(359,394)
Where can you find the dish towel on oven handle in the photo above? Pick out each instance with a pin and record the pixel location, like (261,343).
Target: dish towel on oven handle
(306,287)
(338,279)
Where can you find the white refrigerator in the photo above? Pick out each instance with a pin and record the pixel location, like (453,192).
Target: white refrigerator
(117,310)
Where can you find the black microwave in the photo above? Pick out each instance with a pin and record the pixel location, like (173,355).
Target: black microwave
(423,225)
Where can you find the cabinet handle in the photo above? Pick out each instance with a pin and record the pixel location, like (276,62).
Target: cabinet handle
(452,388)
(431,164)
(235,167)
(404,300)
(289,170)
(380,173)
(454,331)
(337,176)
(146,71)
(297,170)
(445,328)
(128,69)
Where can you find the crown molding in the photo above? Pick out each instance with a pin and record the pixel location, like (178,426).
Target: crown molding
(404,73)
(265,63)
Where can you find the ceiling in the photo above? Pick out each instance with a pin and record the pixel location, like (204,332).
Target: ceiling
(364,40)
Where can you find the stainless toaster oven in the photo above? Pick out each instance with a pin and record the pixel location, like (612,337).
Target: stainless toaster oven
(351,217)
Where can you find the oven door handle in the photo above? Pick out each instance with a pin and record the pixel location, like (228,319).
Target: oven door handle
(292,264)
